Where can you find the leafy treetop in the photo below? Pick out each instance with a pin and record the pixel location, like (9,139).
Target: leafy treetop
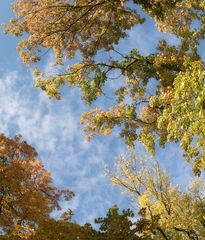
(27,195)
(81,29)
(167,212)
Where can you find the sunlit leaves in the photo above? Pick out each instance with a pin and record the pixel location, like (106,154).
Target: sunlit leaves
(67,27)
(169,211)
(151,97)
(185,117)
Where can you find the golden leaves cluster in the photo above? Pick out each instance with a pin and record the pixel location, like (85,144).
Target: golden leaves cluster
(170,211)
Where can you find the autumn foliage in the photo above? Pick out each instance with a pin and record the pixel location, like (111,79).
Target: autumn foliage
(167,211)
(27,195)
(155,99)
(87,31)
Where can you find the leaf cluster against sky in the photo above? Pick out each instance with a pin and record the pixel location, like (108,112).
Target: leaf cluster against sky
(51,125)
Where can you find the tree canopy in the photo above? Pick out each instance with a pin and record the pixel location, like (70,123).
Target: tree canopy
(82,29)
(27,196)
(156,98)
(167,211)
(115,225)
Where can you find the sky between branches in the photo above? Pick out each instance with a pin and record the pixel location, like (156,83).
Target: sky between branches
(52,127)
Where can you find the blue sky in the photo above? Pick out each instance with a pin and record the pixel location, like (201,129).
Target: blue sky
(52,127)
